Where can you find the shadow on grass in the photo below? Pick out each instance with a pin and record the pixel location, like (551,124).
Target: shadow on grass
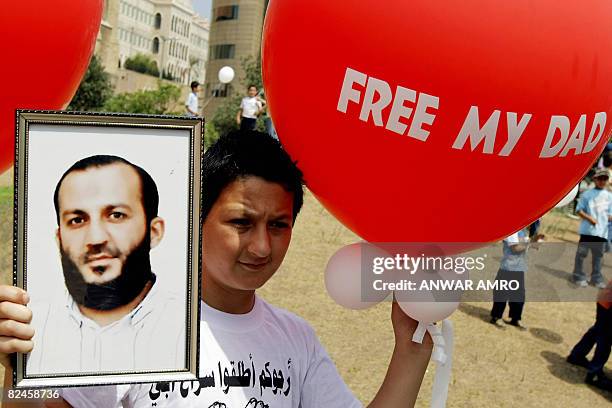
(478,312)
(569,373)
(557,273)
(546,335)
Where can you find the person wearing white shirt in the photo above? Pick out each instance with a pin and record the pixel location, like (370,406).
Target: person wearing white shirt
(191,105)
(251,107)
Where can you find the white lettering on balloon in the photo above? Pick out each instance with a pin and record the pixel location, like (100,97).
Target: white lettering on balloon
(561,125)
(378,96)
(412,113)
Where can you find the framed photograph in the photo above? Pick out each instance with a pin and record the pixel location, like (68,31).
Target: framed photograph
(107,244)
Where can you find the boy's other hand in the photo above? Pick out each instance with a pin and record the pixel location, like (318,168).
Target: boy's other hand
(15,330)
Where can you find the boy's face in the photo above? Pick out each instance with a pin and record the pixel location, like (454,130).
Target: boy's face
(252,92)
(246,235)
(601,182)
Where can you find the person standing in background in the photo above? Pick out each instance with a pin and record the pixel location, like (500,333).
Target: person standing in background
(251,107)
(600,336)
(595,209)
(191,105)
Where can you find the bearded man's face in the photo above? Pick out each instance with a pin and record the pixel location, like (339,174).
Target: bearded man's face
(103,235)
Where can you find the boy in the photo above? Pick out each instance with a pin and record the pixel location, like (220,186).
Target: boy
(600,336)
(191,104)
(513,267)
(595,209)
(252,195)
(251,107)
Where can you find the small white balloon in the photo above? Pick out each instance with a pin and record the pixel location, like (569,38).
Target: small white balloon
(226,75)
(343,278)
(429,312)
(568,198)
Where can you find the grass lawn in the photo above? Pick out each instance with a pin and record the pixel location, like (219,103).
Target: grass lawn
(6,234)
(6,195)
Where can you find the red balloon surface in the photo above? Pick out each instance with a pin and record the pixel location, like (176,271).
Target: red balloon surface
(403,115)
(46,46)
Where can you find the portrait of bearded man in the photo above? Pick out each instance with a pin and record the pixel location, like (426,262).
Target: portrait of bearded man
(114,316)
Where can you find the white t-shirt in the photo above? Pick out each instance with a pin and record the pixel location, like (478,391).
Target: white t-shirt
(192,103)
(265,358)
(250,107)
(150,337)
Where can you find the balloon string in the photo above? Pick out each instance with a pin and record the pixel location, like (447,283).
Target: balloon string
(442,353)
(419,333)
(439,390)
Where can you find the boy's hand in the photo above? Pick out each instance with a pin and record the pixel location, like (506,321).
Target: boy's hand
(15,330)
(404,327)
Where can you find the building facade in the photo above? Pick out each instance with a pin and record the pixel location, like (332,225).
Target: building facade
(235,33)
(168,31)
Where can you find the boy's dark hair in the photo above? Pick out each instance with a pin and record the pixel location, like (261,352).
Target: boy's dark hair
(148,188)
(194,84)
(245,153)
(252,86)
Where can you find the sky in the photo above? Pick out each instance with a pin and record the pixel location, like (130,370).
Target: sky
(202,7)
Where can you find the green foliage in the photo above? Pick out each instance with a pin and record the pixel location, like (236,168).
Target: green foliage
(6,195)
(167,75)
(158,101)
(210,135)
(252,70)
(143,64)
(94,90)
(224,119)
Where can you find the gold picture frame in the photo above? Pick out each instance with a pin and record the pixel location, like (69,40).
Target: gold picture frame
(169,148)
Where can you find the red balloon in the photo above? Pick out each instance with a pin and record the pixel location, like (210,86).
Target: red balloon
(403,114)
(46,46)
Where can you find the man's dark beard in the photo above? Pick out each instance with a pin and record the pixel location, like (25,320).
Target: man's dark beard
(135,274)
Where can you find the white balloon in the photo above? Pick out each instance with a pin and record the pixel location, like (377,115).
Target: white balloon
(568,198)
(429,312)
(343,278)
(226,75)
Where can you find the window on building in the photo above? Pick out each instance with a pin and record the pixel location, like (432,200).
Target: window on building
(223,51)
(220,91)
(158,21)
(226,13)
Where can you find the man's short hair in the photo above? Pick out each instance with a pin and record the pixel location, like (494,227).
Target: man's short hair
(194,84)
(148,188)
(245,153)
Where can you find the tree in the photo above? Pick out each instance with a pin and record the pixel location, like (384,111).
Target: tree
(224,119)
(210,135)
(158,101)
(94,90)
(143,64)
